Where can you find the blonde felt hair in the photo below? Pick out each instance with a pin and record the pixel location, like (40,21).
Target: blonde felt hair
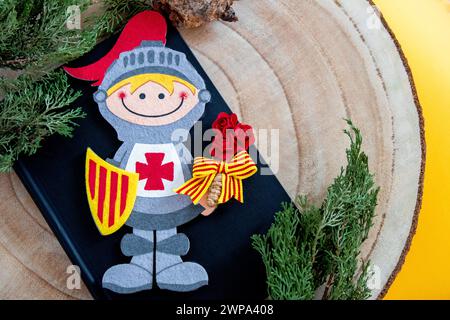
(164,80)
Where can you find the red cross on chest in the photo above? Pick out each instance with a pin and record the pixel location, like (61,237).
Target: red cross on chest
(155,171)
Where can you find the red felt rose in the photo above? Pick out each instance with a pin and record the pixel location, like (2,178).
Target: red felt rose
(244,136)
(223,145)
(230,136)
(225,121)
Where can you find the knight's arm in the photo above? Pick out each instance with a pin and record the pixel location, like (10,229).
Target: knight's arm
(118,157)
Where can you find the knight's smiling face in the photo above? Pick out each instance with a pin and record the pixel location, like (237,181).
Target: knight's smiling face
(152,104)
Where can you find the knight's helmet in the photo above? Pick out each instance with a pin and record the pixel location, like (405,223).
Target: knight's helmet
(151,57)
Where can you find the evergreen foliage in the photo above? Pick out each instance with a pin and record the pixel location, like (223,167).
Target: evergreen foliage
(308,247)
(32,111)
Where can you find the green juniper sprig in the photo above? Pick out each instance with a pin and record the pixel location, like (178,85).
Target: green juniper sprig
(32,111)
(308,247)
(288,261)
(35,35)
(354,197)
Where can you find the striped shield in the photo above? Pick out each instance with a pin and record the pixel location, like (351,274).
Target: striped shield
(111,193)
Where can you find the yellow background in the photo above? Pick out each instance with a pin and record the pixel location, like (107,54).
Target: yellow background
(423,30)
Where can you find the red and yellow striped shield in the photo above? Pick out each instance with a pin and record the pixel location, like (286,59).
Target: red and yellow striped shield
(111,193)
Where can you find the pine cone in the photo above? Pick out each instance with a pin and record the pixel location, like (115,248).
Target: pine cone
(194,13)
(214,191)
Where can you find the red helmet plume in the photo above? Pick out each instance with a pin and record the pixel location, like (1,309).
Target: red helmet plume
(146,25)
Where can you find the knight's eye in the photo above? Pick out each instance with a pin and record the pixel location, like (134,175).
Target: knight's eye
(142,96)
(161,96)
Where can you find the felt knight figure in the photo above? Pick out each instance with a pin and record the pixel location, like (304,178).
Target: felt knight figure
(147,91)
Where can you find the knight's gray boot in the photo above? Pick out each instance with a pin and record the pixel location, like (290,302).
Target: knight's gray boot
(171,272)
(136,275)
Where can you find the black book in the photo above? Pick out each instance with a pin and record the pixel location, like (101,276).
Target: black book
(220,242)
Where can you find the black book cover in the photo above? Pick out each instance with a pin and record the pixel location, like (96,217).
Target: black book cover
(220,242)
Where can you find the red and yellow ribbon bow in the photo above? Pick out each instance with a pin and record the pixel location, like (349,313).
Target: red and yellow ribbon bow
(204,171)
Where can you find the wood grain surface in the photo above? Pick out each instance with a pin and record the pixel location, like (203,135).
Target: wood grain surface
(299,68)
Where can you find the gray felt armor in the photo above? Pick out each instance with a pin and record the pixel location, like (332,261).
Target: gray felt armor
(154,245)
